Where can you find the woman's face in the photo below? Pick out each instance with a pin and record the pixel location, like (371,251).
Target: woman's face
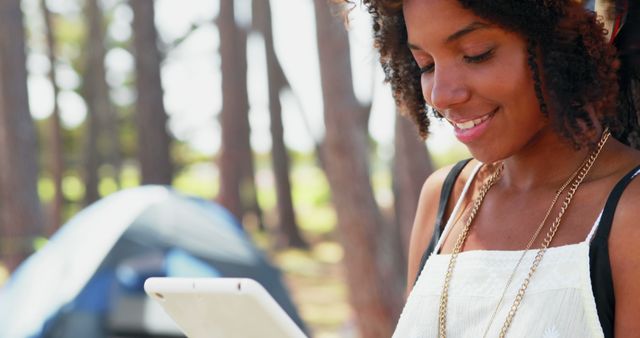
(476,75)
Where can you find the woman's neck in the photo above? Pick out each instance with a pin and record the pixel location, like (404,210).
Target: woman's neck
(548,160)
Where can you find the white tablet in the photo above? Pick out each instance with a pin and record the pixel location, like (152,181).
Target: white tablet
(222,308)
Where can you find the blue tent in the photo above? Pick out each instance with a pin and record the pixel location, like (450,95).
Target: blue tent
(87,281)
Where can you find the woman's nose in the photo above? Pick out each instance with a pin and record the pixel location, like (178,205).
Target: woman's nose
(446,88)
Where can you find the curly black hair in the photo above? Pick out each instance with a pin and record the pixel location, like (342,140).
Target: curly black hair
(568,57)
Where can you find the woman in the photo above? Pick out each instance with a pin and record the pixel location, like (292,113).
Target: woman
(537,235)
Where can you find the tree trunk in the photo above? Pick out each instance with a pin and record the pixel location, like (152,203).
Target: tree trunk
(289,234)
(21,217)
(90,152)
(151,118)
(237,185)
(56,161)
(412,165)
(102,140)
(93,67)
(375,293)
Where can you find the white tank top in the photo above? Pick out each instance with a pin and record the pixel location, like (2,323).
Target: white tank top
(558,302)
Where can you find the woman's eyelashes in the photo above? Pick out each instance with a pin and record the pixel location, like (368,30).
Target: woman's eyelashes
(427,69)
(467,58)
(480,57)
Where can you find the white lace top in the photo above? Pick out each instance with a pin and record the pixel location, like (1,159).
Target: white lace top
(558,302)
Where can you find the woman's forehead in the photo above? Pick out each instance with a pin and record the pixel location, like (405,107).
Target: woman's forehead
(438,19)
(424,13)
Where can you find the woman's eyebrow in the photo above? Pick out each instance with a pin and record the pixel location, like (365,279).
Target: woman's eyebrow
(474,26)
(466,30)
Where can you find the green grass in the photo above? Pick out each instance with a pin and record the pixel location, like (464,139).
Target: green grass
(107,186)
(199,180)
(46,189)
(73,188)
(129,177)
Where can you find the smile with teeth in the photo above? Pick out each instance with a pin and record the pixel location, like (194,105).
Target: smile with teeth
(471,123)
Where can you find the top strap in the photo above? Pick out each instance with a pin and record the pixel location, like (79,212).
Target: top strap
(445,194)
(599,263)
(606,219)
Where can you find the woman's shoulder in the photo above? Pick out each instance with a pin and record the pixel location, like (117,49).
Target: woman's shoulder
(624,249)
(458,173)
(429,201)
(461,171)
(625,221)
(427,210)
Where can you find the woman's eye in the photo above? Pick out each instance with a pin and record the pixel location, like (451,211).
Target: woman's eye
(480,57)
(427,69)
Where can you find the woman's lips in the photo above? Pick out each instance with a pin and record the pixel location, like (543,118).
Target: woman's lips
(470,130)
(471,123)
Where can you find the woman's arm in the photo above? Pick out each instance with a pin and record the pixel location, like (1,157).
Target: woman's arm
(624,253)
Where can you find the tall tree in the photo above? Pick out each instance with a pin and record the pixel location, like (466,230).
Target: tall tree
(237,184)
(21,216)
(411,166)
(151,118)
(91,86)
(289,235)
(56,160)
(102,140)
(375,290)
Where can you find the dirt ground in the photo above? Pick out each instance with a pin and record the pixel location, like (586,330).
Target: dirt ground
(316,281)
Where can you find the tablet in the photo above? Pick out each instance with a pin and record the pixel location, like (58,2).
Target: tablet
(222,308)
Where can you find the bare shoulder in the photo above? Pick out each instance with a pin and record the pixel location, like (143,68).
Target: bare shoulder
(426,213)
(626,225)
(624,253)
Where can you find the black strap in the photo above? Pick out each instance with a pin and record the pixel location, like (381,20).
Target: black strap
(445,194)
(600,266)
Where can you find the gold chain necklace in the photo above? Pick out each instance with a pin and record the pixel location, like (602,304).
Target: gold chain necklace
(530,243)
(484,189)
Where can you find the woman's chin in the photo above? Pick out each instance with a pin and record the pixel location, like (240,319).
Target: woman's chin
(485,156)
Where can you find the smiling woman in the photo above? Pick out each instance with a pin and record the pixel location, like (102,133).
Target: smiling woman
(470,70)
(523,240)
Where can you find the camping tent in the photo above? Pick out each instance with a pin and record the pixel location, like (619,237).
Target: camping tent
(87,280)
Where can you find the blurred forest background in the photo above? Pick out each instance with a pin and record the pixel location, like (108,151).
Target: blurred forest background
(273,108)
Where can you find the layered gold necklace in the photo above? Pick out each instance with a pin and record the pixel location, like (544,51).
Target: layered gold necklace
(577,177)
